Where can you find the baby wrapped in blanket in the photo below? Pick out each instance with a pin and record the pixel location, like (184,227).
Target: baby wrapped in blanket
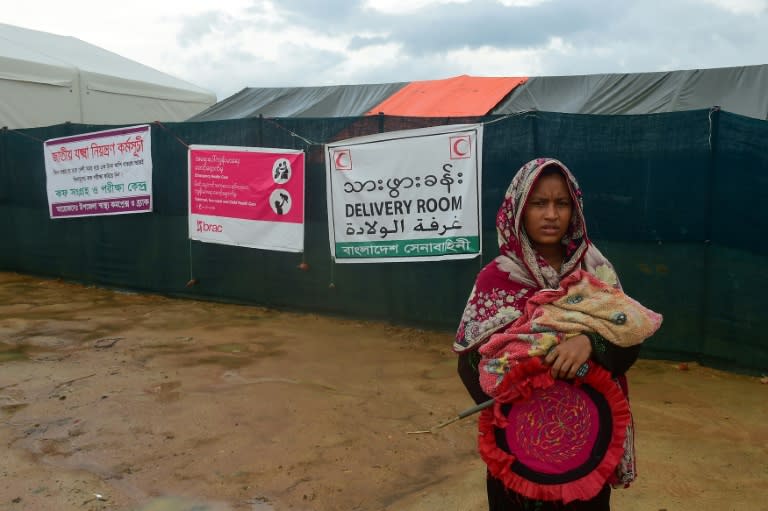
(582,304)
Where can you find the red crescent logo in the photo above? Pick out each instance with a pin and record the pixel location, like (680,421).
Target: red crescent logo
(457,148)
(342,160)
(461,147)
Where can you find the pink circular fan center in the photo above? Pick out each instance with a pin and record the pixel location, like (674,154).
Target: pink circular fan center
(554,430)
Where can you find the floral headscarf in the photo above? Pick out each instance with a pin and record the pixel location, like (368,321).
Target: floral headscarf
(504,285)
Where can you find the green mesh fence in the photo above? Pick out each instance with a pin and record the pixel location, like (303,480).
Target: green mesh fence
(674,200)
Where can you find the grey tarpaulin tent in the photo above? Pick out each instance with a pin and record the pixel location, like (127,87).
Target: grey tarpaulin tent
(740,90)
(330,101)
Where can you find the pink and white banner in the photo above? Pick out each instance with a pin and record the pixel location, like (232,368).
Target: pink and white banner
(247,196)
(99,173)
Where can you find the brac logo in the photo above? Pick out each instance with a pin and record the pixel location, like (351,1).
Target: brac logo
(203,226)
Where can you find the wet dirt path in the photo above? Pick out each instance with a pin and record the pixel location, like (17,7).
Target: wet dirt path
(115,400)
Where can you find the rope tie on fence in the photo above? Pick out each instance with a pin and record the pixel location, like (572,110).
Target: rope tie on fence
(160,124)
(522,113)
(332,284)
(292,133)
(192,280)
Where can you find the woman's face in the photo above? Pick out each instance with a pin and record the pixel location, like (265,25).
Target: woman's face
(547,213)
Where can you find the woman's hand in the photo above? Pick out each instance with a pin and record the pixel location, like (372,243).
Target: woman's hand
(568,356)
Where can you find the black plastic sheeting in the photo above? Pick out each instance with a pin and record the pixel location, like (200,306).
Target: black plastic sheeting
(675,200)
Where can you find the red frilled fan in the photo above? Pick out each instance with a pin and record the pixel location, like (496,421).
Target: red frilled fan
(556,440)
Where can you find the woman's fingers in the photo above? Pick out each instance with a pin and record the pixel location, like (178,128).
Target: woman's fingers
(560,365)
(564,366)
(568,356)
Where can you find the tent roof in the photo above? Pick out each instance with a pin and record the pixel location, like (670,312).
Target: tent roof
(69,53)
(48,79)
(739,90)
(453,97)
(330,101)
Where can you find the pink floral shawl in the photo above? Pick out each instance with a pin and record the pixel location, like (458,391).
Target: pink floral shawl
(505,284)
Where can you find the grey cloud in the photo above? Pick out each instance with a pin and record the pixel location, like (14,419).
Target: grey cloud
(195,28)
(439,28)
(321,15)
(627,49)
(237,69)
(679,35)
(489,23)
(600,37)
(360,42)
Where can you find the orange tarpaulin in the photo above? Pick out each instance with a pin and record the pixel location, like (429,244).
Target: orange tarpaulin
(452,97)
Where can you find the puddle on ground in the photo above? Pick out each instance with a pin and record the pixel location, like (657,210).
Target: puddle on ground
(11,352)
(179,504)
(165,392)
(229,348)
(261,505)
(231,361)
(13,408)
(234,355)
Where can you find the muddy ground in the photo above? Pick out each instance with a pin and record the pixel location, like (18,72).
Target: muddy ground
(116,400)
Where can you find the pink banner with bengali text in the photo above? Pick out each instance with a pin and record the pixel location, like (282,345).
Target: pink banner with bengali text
(242,195)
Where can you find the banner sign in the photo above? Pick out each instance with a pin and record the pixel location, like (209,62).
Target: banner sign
(403,196)
(247,196)
(100,173)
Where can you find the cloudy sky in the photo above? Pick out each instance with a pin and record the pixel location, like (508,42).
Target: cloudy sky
(227,45)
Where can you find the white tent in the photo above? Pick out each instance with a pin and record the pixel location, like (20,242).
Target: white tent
(48,79)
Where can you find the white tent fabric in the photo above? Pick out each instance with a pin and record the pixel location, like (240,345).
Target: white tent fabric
(48,79)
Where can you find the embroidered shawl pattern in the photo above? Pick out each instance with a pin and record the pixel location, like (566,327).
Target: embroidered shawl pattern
(505,284)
